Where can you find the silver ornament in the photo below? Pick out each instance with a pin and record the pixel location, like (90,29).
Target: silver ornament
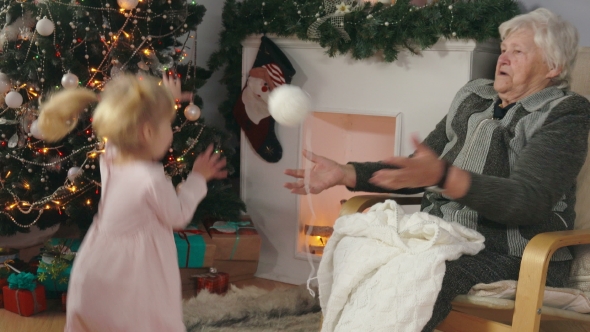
(13,99)
(12,142)
(69,81)
(192,112)
(45,27)
(127,4)
(73,173)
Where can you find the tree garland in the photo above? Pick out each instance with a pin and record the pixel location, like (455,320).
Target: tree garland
(372,28)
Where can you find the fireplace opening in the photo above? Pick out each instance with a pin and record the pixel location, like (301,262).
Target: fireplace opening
(342,138)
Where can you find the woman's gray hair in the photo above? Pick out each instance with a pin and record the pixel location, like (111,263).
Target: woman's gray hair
(557,38)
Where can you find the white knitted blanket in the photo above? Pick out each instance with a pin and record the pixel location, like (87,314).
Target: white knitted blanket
(382,270)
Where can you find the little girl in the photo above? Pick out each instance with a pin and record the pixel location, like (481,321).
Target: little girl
(125,277)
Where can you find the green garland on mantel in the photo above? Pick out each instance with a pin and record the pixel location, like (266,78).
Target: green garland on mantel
(372,28)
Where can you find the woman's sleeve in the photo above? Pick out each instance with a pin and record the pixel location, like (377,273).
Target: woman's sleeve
(545,170)
(176,207)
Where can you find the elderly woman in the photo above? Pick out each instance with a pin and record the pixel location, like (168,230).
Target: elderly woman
(503,161)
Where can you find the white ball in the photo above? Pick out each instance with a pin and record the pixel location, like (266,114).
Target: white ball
(45,27)
(4,83)
(13,99)
(289,105)
(69,81)
(192,112)
(73,173)
(127,4)
(34,130)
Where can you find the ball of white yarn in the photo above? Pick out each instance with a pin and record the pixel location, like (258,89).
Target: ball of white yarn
(289,105)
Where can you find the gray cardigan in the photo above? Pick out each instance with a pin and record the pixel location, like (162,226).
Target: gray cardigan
(523,167)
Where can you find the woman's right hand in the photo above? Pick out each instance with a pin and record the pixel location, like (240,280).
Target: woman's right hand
(210,164)
(324,174)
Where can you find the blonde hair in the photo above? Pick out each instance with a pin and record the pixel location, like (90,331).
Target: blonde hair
(557,38)
(126,102)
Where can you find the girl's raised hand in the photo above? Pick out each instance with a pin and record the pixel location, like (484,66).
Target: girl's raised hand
(210,164)
(174,86)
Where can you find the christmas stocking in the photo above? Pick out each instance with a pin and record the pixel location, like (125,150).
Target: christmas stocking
(270,70)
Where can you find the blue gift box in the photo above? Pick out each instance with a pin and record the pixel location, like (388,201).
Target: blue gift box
(52,285)
(55,286)
(193,249)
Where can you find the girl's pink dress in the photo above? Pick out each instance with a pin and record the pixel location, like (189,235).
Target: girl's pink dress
(125,277)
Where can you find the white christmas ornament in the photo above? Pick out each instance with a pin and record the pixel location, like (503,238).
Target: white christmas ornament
(289,105)
(192,112)
(128,4)
(69,81)
(13,99)
(45,27)
(4,83)
(73,173)
(35,130)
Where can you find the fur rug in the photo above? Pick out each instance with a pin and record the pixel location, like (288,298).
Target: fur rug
(253,309)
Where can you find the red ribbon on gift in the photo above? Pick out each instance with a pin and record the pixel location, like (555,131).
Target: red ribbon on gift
(191,231)
(183,235)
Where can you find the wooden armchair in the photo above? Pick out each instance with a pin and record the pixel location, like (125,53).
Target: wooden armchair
(479,314)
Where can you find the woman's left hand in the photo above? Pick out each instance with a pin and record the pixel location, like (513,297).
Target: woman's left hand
(423,169)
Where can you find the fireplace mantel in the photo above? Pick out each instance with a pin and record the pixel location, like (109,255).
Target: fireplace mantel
(442,45)
(415,89)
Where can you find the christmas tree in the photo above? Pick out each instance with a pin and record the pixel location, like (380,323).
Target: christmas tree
(48,45)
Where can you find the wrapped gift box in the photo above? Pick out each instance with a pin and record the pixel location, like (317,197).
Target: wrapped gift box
(24,302)
(55,286)
(3,283)
(64,298)
(237,270)
(187,282)
(238,241)
(194,248)
(212,281)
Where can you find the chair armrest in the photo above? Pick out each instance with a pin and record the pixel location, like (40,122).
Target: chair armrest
(361,202)
(533,275)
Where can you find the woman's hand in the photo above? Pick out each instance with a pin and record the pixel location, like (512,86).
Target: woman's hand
(174,86)
(423,169)
(324,174)
(210,164)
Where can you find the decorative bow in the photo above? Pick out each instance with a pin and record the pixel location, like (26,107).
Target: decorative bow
(230,226)
(335,9)
(24,280)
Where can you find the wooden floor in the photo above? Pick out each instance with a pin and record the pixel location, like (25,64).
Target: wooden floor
(53,320)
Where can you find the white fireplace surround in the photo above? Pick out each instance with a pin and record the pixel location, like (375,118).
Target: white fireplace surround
(416,89)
